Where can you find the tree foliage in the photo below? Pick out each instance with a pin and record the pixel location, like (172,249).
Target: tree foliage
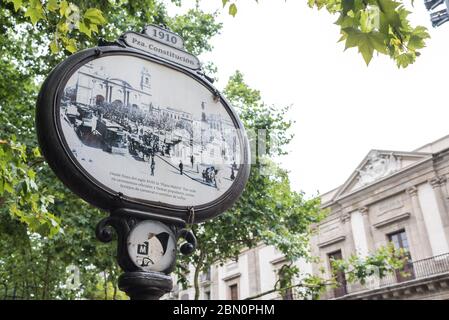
(44,227)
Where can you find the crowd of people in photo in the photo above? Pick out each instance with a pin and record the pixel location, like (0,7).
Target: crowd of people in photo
(144,134)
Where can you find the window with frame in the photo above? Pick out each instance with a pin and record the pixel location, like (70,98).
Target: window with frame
(341,288)
(234,291)
(287,294)
(400,241)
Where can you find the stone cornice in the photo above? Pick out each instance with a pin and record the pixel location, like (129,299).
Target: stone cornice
(345,217)
(412,191)
(331,241)
(434,182)
(231,277)
(279,260)
(437,181)
(397,218)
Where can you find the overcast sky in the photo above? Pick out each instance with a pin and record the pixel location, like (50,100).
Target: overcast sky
(342,108)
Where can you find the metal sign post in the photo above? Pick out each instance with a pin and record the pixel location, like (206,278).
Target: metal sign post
(135,128)
(146,251)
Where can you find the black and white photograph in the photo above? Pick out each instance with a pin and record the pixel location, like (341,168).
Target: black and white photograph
(127,130)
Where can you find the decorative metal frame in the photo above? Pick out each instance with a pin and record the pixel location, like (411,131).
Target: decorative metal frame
(67,168)
(137,283)
(123,223)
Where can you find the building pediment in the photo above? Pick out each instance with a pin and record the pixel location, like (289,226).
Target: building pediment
(378,165)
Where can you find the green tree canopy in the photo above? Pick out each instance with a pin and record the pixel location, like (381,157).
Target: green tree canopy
(44,226)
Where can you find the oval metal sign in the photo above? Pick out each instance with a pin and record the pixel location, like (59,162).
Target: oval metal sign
(127,130)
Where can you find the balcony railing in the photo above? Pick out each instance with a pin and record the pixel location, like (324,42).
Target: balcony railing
(419,269)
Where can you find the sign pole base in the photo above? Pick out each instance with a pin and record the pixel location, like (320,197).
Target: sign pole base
(136,282)
(145,285)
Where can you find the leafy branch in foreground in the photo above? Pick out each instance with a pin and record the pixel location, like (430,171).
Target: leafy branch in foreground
(68,21)
(19,190)
(380,26)
(380,263)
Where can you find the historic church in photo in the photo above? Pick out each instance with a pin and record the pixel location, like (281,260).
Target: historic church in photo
(94,87)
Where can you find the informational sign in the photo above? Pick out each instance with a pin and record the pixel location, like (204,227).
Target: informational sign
(164,36)
(124,129)
(152,246)
(161,50)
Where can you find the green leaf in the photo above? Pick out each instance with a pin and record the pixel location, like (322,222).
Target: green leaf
(346,22)
(84,29)
(94,28)
(415,43)
(366,21)
(377,40)
(52,5)
(17,4)
(36,152)
(347,5)
(64,9)
(8,187)
(94,16)
(63,27)
(70,45)
(366,42)
(421,32)
(54,48)
(389,16)
(403,60)
(233,9)
(35,12)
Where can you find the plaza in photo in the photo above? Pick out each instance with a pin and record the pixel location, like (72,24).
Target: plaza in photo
(128,129)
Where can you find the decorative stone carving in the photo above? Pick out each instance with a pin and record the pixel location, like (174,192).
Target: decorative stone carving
(345,217)
(363,210)
(435,182)
(412,191)
(377,166)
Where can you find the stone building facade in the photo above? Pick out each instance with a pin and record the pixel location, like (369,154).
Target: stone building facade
(392,196)
(255,272)
(398,197)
